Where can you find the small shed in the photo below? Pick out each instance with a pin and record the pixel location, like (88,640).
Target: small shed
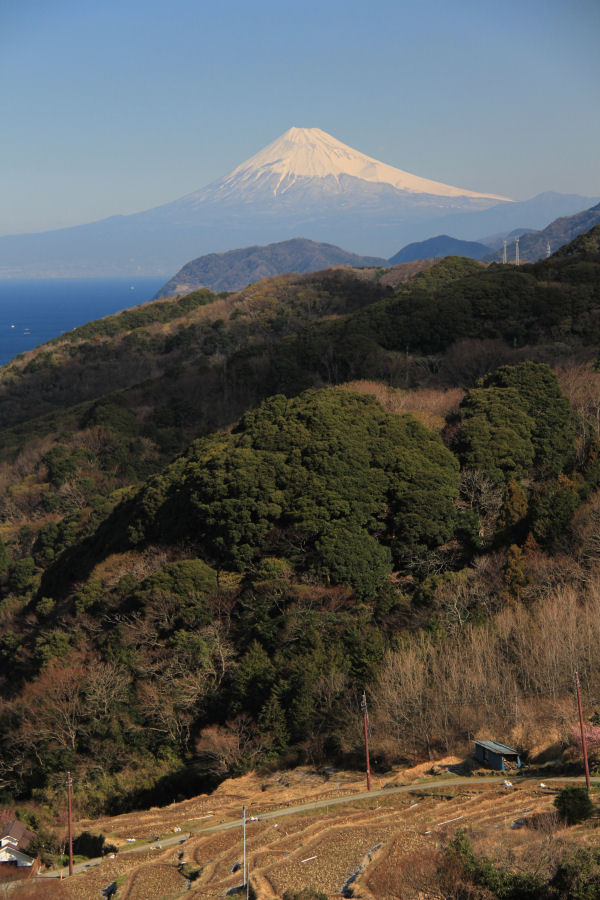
(494,755)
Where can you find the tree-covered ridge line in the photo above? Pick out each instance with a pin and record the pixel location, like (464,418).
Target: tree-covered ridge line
(508,304)
(261,341)
(214,327)
(154,312)
(585,246)
(514,306)
(300,467)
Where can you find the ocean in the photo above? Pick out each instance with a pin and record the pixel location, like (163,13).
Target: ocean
(34,310)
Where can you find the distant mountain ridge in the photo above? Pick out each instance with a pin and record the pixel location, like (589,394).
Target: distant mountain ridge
(440,246)
(524,215)
(534,244)
(586,246)
(305,182)
(233,270)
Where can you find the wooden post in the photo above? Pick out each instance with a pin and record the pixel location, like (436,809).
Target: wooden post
(244,848)
(583,740)
(70,823)
(366,724)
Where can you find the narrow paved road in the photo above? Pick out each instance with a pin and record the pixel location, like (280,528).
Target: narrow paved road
(520,781)
(384,792)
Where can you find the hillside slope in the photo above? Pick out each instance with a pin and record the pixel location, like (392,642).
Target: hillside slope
(534,244)
(179,342)
(407,827)
(201,568)
(235,269)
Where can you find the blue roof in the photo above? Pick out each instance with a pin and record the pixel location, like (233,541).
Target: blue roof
(495,747)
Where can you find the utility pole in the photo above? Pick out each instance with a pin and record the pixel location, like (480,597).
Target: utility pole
(363,706)
(583,740)
(70,823)
(244,846)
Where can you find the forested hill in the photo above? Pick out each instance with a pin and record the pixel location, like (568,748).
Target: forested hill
(182,339)
(235,269)
(442,245)
(181,602)
(199,361)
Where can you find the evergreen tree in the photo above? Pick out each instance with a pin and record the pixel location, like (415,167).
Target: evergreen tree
(4,559)
(540,397)
(512,517)
(496,433)
(574,804)
(553,509)
(273,728)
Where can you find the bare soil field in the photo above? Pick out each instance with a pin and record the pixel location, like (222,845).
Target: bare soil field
(377,848)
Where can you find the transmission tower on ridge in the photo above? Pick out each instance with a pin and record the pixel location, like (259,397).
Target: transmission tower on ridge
(504,253)
(517,251)
(548,250)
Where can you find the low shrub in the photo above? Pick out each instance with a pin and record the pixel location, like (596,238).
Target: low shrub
(574,805)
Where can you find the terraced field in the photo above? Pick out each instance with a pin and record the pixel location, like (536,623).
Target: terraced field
(378,848)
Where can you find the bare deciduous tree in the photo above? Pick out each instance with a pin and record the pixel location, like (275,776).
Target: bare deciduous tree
(502,676)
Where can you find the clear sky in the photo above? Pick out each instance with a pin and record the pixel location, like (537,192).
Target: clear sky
(114,106)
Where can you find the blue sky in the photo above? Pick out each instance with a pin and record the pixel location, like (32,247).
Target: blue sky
(113,106)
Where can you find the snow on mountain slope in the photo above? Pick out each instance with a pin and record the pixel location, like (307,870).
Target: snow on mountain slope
(310,154)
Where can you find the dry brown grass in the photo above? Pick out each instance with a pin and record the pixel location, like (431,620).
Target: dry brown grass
(394,275)
(410,828)
(89,885)
(158,880)
(402,870)
(35,890)
(430,406)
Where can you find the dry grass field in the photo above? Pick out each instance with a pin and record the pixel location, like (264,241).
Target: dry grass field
(377,848)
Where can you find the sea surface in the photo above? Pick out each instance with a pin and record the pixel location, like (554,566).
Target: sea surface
(34,310)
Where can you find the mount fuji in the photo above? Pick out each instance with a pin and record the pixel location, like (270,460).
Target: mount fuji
(307,165)
(306,183)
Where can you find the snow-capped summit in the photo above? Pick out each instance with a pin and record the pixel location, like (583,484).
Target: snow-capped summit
(304,155)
